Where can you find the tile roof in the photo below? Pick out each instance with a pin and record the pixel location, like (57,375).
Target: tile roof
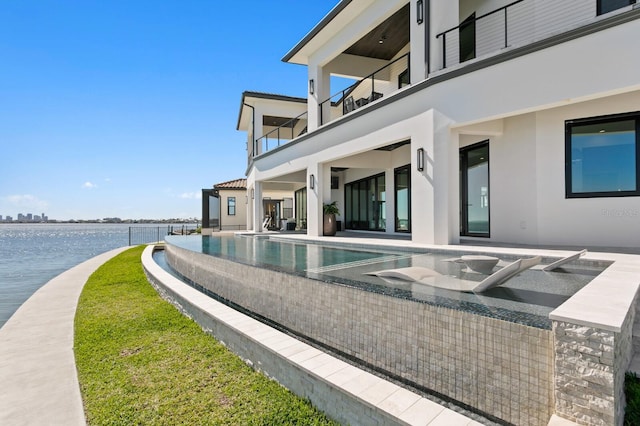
(232,184)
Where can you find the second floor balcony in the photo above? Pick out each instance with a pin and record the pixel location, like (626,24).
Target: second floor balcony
(482,31)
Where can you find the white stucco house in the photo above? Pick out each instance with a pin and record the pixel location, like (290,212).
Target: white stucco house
(506,121)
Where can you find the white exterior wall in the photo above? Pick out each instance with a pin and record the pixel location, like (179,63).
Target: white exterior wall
(613,221)
(519,105)
(527,183)
(239,220)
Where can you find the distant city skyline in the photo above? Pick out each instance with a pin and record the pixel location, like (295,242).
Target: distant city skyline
(129,109)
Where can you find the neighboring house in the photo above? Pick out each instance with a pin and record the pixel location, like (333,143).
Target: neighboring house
(497,120)
(226,207)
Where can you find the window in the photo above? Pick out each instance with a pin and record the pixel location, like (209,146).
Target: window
(606,6)
(402,179)
(301,208)
(602,156)
(287,208)
(231,206)
(403,79)
(365,204)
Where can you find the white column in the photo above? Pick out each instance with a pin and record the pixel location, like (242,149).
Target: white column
(321,92)
(256,201)
(417,36)
(434,190)
(314,199)
(446,177)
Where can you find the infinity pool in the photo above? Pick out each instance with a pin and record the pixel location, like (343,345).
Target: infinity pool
(525,299)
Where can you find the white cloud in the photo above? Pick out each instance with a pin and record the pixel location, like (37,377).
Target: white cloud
(26,201)
(191,195)
(89,185)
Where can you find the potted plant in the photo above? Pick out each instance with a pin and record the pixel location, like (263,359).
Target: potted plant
(330,225)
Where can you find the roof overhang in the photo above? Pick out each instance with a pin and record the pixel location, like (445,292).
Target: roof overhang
(249,99)
(337,18)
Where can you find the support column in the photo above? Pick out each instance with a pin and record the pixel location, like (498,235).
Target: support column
(418,35)
(314,199)
(433,187)
(321,92)
(390,200)
(258,216)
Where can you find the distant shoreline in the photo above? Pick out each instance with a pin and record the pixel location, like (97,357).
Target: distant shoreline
(106,222)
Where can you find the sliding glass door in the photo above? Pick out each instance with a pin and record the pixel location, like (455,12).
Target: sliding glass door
(365,204)
(474,190)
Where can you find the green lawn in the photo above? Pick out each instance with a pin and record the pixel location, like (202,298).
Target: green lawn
(141,362)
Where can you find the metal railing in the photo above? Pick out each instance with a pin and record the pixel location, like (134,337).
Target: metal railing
(344,101)
(154,234)
(146,234)
(473,21)
(286,132)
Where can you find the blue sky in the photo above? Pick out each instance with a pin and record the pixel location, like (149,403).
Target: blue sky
(128,108)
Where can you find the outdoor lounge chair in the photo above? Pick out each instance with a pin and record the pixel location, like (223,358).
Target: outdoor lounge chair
(430,277)
(349,105)
(558,263)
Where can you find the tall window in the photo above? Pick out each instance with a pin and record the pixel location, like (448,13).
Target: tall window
(606,6)
(402,179)
(231,206)
(602,156)
(365,204)
(287,209)
(301,208)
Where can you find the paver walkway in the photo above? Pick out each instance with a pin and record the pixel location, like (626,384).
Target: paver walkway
(38,378)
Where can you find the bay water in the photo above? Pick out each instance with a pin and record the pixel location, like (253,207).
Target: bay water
(32,254)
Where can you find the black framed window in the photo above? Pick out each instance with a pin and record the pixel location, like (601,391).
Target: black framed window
(402,184)
(606,6)
(231,206)
(602,156)
(365,204)
(301,208)
(403,79)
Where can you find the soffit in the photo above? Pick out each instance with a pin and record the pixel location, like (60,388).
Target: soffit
(387,39)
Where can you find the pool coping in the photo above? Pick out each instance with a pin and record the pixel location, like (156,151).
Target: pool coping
(321,374)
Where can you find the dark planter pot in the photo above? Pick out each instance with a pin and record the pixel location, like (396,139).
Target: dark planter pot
(330,225)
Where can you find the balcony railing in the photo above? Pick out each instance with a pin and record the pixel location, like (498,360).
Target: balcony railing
(369,89)
(516,24)
(382,82)
(282,134)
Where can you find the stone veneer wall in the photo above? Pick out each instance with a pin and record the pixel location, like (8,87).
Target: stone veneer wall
(590,366)
(500,368)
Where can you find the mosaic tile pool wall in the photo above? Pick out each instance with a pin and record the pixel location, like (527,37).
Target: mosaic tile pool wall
(499,368)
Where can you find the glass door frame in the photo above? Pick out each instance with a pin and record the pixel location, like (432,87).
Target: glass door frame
(464,191)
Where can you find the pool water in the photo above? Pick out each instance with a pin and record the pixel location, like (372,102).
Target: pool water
(526,299)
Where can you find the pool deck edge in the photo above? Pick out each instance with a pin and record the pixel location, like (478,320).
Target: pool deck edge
(37,363)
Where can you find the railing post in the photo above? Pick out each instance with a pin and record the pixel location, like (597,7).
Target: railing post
(129,235)
(444,51)
(321,118)
(505,28)
(373,89)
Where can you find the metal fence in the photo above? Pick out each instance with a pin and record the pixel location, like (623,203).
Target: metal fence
(153,234)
